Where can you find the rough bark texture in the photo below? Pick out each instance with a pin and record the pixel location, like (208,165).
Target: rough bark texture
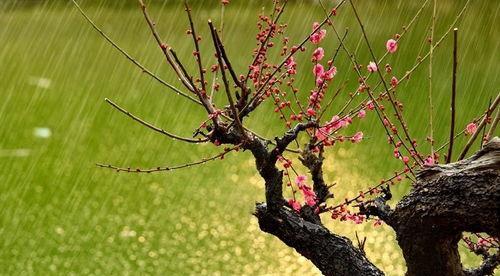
(332,254)
(446,201)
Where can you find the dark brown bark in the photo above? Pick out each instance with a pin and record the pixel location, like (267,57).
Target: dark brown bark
(330,253)
(446,201)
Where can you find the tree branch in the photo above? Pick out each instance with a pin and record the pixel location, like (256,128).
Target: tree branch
(332,254)
(486,268)
(150,126)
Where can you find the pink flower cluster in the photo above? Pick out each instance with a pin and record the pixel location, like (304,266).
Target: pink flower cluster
(294,204)
(335,124)
(291,66)
(307,192)
(318,35)
(318,54)
(323,75)
(482,243)
(343,214)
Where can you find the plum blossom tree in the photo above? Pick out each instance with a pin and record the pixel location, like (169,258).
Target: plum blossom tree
(446,199)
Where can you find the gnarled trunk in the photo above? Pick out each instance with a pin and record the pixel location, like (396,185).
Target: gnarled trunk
(446,201)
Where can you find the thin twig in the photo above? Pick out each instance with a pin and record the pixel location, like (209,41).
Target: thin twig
(420,60)
(133,60)
(379,111)
(488,115)
(493,107)
(197,49)
(389,92)
(154,76)
(165,49)
(493,125)
(401,35)
(264,42)
(227,62)
(161,169)
(149,125)
(431,55)
(453,94)
(341,87)
(217,46)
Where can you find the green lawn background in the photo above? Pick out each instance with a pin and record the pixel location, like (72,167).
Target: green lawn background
(59,214)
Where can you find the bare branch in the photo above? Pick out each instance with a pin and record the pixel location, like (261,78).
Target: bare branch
(165,49)
(227,62)
(162,169)
(150,126)
(453,94)
(493,125)
(290,136)
(490,263)
(431,55)
(236,116)
(197,49)
(133,60)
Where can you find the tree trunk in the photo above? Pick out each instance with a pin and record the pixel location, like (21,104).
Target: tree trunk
(446,201)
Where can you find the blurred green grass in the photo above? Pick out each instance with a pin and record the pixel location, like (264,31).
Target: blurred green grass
(59,214)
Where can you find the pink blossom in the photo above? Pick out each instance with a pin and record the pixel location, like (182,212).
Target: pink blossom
(311,201)
(394,82)
(300,179)
(396,152)
(482,242)
(357,137)
(358,219)
(406,159)
(335,123)
(318,54)
(361,114)
(225,2)
(322,133)
(309,194)
(372,67)
(429,161)
(330,73)
(370,105)
(311,112)
(471,129)
(294,204)
(391,45)
(291,66)
(347,121)
(318,70)
(318,35)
